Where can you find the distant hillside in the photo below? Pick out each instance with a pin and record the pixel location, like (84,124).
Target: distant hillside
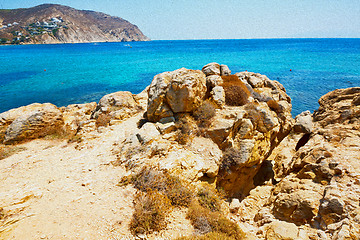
(52,23)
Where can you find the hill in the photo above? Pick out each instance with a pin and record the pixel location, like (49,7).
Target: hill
(52,23)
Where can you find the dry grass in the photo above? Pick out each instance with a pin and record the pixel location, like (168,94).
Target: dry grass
(150,211)
(171,186)
(205,113)
(187,129)
(236,92)
(159,192)
(103,120)
(206,222)
(209,198)
(231,157)
(8,150)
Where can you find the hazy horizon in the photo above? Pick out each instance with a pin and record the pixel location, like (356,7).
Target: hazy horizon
(229,19)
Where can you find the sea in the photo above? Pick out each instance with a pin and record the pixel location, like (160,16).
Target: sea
(65,74)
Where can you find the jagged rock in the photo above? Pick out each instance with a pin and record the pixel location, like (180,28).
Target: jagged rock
(303,123)
(224,70)
(295,202)
(179,91)
(119,105)
(33,124)
(339,106)
(211,69)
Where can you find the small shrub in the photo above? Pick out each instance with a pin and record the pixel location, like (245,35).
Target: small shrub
(151,180)
(150,212)
(103,120)
(205,113)
(187,129)
(231,157)
(209,198)
(207,221)
(273,105)
(236,92)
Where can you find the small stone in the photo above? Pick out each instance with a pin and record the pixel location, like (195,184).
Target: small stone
(234,205)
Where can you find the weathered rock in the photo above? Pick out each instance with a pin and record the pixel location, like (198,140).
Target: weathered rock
(75,115)
(295,204)
(147,132)
(224,70)
(211,69)
(280,230)
(179,91)
(218,96)
(45,120)
(339,106)
(303,123)
(186,91)
(213,81)
(119,105)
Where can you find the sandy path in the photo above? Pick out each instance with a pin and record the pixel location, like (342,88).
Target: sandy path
(55,191)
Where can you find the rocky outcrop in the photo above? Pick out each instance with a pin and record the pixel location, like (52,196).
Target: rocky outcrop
(175,107)
(180,91)
(39,120)
(319,183)
(339,106)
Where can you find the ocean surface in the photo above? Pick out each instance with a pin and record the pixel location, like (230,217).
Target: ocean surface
(64,74)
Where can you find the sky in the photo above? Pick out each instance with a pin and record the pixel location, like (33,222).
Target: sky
(226,19)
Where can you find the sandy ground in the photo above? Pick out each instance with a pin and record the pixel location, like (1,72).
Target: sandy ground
(56,190)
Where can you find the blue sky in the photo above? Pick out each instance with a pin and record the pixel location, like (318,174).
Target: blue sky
(226,19)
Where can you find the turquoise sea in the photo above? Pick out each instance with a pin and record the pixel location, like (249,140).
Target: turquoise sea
(76,73)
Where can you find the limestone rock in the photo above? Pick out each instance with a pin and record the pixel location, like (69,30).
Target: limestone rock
(303,123)
(34,124)
(179,91)
(224,70)
(211,69)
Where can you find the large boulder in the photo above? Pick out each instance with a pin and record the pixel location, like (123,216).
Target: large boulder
(179,91)
(119,105)
(33,124)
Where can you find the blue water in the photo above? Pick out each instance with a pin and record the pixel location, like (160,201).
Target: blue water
(79,73)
